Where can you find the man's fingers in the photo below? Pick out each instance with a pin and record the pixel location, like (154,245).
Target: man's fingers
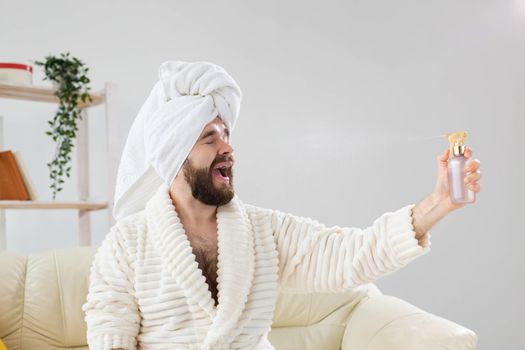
(473,177)
(443,157)
(472,165)
(474,186)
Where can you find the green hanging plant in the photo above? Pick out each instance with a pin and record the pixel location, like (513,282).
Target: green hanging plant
(69,76)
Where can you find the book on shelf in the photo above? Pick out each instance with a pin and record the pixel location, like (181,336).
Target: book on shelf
(15,183)
(30,187)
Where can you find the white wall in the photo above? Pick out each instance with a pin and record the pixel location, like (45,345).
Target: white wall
(331,91)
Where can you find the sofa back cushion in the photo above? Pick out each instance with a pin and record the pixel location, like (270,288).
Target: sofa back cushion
(41,297)
(12,284)
(317,320)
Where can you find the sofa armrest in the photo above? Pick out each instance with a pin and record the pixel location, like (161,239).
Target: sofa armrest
(388,323)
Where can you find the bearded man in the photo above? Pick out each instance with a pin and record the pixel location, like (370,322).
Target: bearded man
(188,265)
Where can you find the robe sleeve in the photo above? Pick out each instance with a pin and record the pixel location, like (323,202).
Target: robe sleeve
(111,311)
(316,258)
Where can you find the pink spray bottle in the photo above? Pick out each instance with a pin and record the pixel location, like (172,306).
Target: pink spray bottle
(459,192)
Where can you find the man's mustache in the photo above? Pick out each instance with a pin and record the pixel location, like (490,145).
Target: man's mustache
(221,159)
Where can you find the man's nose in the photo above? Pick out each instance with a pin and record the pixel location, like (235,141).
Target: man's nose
(226,148)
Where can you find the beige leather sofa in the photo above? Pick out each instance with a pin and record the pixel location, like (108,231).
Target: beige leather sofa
(41,297)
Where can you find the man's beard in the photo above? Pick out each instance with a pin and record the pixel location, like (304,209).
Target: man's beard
(202,186)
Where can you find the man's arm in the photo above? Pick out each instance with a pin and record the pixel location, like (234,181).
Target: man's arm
(111,312)
(317,258)
(426,214)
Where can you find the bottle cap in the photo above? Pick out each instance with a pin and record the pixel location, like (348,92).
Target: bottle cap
(458,150)
(457,142)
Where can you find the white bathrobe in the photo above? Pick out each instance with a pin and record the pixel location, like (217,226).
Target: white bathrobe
(147,291)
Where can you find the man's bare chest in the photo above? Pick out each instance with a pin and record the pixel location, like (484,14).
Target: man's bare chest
(204,248)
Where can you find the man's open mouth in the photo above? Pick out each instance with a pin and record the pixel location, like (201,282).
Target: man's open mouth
(221,174)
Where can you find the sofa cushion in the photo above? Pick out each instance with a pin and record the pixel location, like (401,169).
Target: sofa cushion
(56,285)
(12,284)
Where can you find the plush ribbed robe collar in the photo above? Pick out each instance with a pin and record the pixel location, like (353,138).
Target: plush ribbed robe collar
(235,269)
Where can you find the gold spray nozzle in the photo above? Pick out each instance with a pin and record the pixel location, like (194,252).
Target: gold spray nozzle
(457,142)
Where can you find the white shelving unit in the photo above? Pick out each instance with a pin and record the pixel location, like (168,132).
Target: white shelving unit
(83,205)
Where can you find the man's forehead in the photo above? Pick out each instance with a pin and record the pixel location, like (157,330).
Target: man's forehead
(217,122)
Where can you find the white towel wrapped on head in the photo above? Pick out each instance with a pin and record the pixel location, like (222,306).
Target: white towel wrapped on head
(187,96)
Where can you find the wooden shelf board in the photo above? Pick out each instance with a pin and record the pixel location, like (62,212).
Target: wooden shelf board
(82,205)
(42,94)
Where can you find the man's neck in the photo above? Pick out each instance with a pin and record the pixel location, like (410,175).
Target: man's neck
(192,212)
